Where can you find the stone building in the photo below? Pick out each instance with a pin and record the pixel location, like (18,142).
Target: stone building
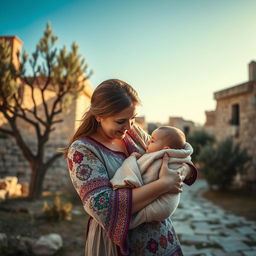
(12,162)
(141,121)
(235,116)
(186,126)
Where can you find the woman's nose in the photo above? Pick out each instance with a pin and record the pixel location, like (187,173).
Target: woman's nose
(128,125)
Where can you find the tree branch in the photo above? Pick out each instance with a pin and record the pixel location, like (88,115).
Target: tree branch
(44,104)
(57,121)
(21,143)
(33,99)
(52,159)
(36,117)
(22,116)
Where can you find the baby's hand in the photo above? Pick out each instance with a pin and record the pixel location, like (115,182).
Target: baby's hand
(136,155)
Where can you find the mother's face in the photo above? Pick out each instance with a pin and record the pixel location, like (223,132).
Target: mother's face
(115,127)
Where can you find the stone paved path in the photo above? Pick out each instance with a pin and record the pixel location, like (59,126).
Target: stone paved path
(208,230)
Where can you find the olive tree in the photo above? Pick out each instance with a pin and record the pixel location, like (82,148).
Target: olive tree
(48,68)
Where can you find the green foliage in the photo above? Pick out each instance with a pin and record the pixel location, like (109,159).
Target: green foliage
(198,140)
(58,210)
(8,84)
(221,162)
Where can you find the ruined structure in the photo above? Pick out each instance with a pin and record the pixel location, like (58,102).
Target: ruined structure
(186,126)
(235,116)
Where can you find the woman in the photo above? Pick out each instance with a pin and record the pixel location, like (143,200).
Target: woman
(104,139)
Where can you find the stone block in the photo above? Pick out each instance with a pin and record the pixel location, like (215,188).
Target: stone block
(194,239)
(232,246)
(3,194)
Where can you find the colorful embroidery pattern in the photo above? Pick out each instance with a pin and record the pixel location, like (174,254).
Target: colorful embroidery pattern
(120,220)
(70,164)
(93,186)
(78,157)
(163,242)
(152,245)
(112,209)
(83,172)
(170,237)
(101,201)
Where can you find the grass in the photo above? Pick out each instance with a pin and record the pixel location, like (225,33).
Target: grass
(240,202)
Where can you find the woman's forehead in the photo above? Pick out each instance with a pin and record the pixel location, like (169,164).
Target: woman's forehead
(126,113)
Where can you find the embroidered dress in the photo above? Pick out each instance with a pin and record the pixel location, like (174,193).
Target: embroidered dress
(91,167)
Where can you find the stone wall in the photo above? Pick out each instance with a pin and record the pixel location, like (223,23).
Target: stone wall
(245,132)
(187,126)
(12,163)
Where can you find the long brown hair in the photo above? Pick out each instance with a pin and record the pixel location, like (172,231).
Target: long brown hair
(109,98)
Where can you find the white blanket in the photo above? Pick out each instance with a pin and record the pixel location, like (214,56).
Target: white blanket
(135,173)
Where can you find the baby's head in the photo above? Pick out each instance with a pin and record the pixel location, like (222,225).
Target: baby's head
(166,137)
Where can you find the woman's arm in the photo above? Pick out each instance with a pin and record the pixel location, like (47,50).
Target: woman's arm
(110,208)
(169,181)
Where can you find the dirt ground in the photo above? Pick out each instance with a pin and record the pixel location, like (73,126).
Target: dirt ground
(21,218)
(239,201)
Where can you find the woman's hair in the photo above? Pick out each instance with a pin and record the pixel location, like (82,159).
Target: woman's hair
(109,98)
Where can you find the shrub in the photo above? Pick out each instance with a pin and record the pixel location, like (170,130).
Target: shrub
(198,140)
(57,211)
(221,162)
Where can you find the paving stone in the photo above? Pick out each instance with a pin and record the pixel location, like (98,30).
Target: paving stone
(218,227)
(213,216)
(187,249)
(205,231)
(232,246)
(226,221)
(200,218)
(249,253)
(194,239)
(252,238)
(200,222)
(234,254)
(246,230)
(218,252)
(184,229)
(205,251)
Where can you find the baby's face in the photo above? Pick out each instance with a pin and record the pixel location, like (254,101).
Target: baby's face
(157,141)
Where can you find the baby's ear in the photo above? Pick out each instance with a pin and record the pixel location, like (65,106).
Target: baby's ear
(166,147)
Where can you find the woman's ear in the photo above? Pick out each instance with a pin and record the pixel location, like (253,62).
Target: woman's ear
(98,119)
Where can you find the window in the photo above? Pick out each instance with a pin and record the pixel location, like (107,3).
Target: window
(235,119)
(186,130)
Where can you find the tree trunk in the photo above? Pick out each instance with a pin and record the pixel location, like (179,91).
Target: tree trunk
(36,181)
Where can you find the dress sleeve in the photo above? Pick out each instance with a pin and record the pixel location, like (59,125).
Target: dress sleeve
(193,176)
(110,208)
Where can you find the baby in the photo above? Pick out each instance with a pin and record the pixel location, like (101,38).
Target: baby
(137,172)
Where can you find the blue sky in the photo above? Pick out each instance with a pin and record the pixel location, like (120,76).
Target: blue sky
(175,53)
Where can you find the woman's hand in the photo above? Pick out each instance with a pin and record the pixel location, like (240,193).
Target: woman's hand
(136,155)
(171,180)
(186,172)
